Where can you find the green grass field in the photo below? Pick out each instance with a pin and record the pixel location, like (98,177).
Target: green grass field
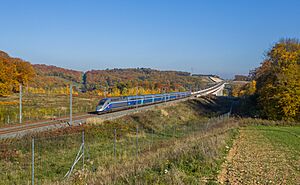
(279,136)
(198,163)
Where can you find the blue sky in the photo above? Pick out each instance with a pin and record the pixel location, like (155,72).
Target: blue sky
(204,36)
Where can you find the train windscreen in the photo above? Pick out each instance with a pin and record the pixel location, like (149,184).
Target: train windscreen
(101,102)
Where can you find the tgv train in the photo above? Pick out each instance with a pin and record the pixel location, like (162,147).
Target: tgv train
(126,102)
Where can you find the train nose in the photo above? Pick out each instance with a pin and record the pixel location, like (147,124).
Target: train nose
(99,108)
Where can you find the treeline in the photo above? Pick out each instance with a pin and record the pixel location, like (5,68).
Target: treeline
(68,74)
(275,85)
(34,78)
(241,78)
(125,81)
(52,79)
(41,78)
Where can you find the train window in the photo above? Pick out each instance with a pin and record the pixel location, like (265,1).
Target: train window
(115,99)
(121,98)
(135,98)
(101,102)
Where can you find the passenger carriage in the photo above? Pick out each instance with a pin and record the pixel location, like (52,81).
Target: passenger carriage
(126,102)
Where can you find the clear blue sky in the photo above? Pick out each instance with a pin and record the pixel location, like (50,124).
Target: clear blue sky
(219,37)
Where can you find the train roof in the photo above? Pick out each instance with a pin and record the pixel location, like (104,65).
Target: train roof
(140,96)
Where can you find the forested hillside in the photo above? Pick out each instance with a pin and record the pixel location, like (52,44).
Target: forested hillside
(46,70)
(145,80)
(40,78)
(54,79)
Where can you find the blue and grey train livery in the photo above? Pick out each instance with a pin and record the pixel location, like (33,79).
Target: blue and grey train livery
(125,102)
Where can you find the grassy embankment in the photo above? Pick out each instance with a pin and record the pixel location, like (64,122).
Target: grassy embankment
(180,143)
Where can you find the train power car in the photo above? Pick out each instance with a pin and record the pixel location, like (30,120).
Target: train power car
(126,102)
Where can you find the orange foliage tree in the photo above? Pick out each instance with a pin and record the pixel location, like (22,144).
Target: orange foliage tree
(13,71)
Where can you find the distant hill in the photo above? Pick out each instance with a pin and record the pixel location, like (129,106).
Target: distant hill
(206,75)
(144,77)
(49,70)
(4,55)
(51,77)
(114,81)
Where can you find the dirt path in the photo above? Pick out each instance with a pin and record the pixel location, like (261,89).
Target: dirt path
(254,160)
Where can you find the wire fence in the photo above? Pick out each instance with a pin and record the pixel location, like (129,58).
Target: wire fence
(74,157)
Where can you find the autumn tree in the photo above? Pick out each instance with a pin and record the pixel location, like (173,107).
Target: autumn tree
(13,71)
(278,81)
(241,78)
(7,74)
(25,71)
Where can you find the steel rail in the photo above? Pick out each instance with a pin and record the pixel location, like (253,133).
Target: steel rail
(14,130)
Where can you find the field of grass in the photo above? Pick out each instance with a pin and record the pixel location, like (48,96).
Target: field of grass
(286,137)
(43,106)
(265,155)
(193,160)
(164,134)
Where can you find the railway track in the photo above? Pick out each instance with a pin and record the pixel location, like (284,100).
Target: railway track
(19,130)
(28,126)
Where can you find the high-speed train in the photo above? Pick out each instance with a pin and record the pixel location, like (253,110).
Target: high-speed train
(126,102)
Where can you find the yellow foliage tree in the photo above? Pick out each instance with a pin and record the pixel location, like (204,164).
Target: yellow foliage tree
(279,85)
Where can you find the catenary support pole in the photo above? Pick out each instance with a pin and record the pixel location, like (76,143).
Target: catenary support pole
(115,142)
(137,100)
(137,141)
(83,143)
(70,104)
(20,114)
(32,161)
